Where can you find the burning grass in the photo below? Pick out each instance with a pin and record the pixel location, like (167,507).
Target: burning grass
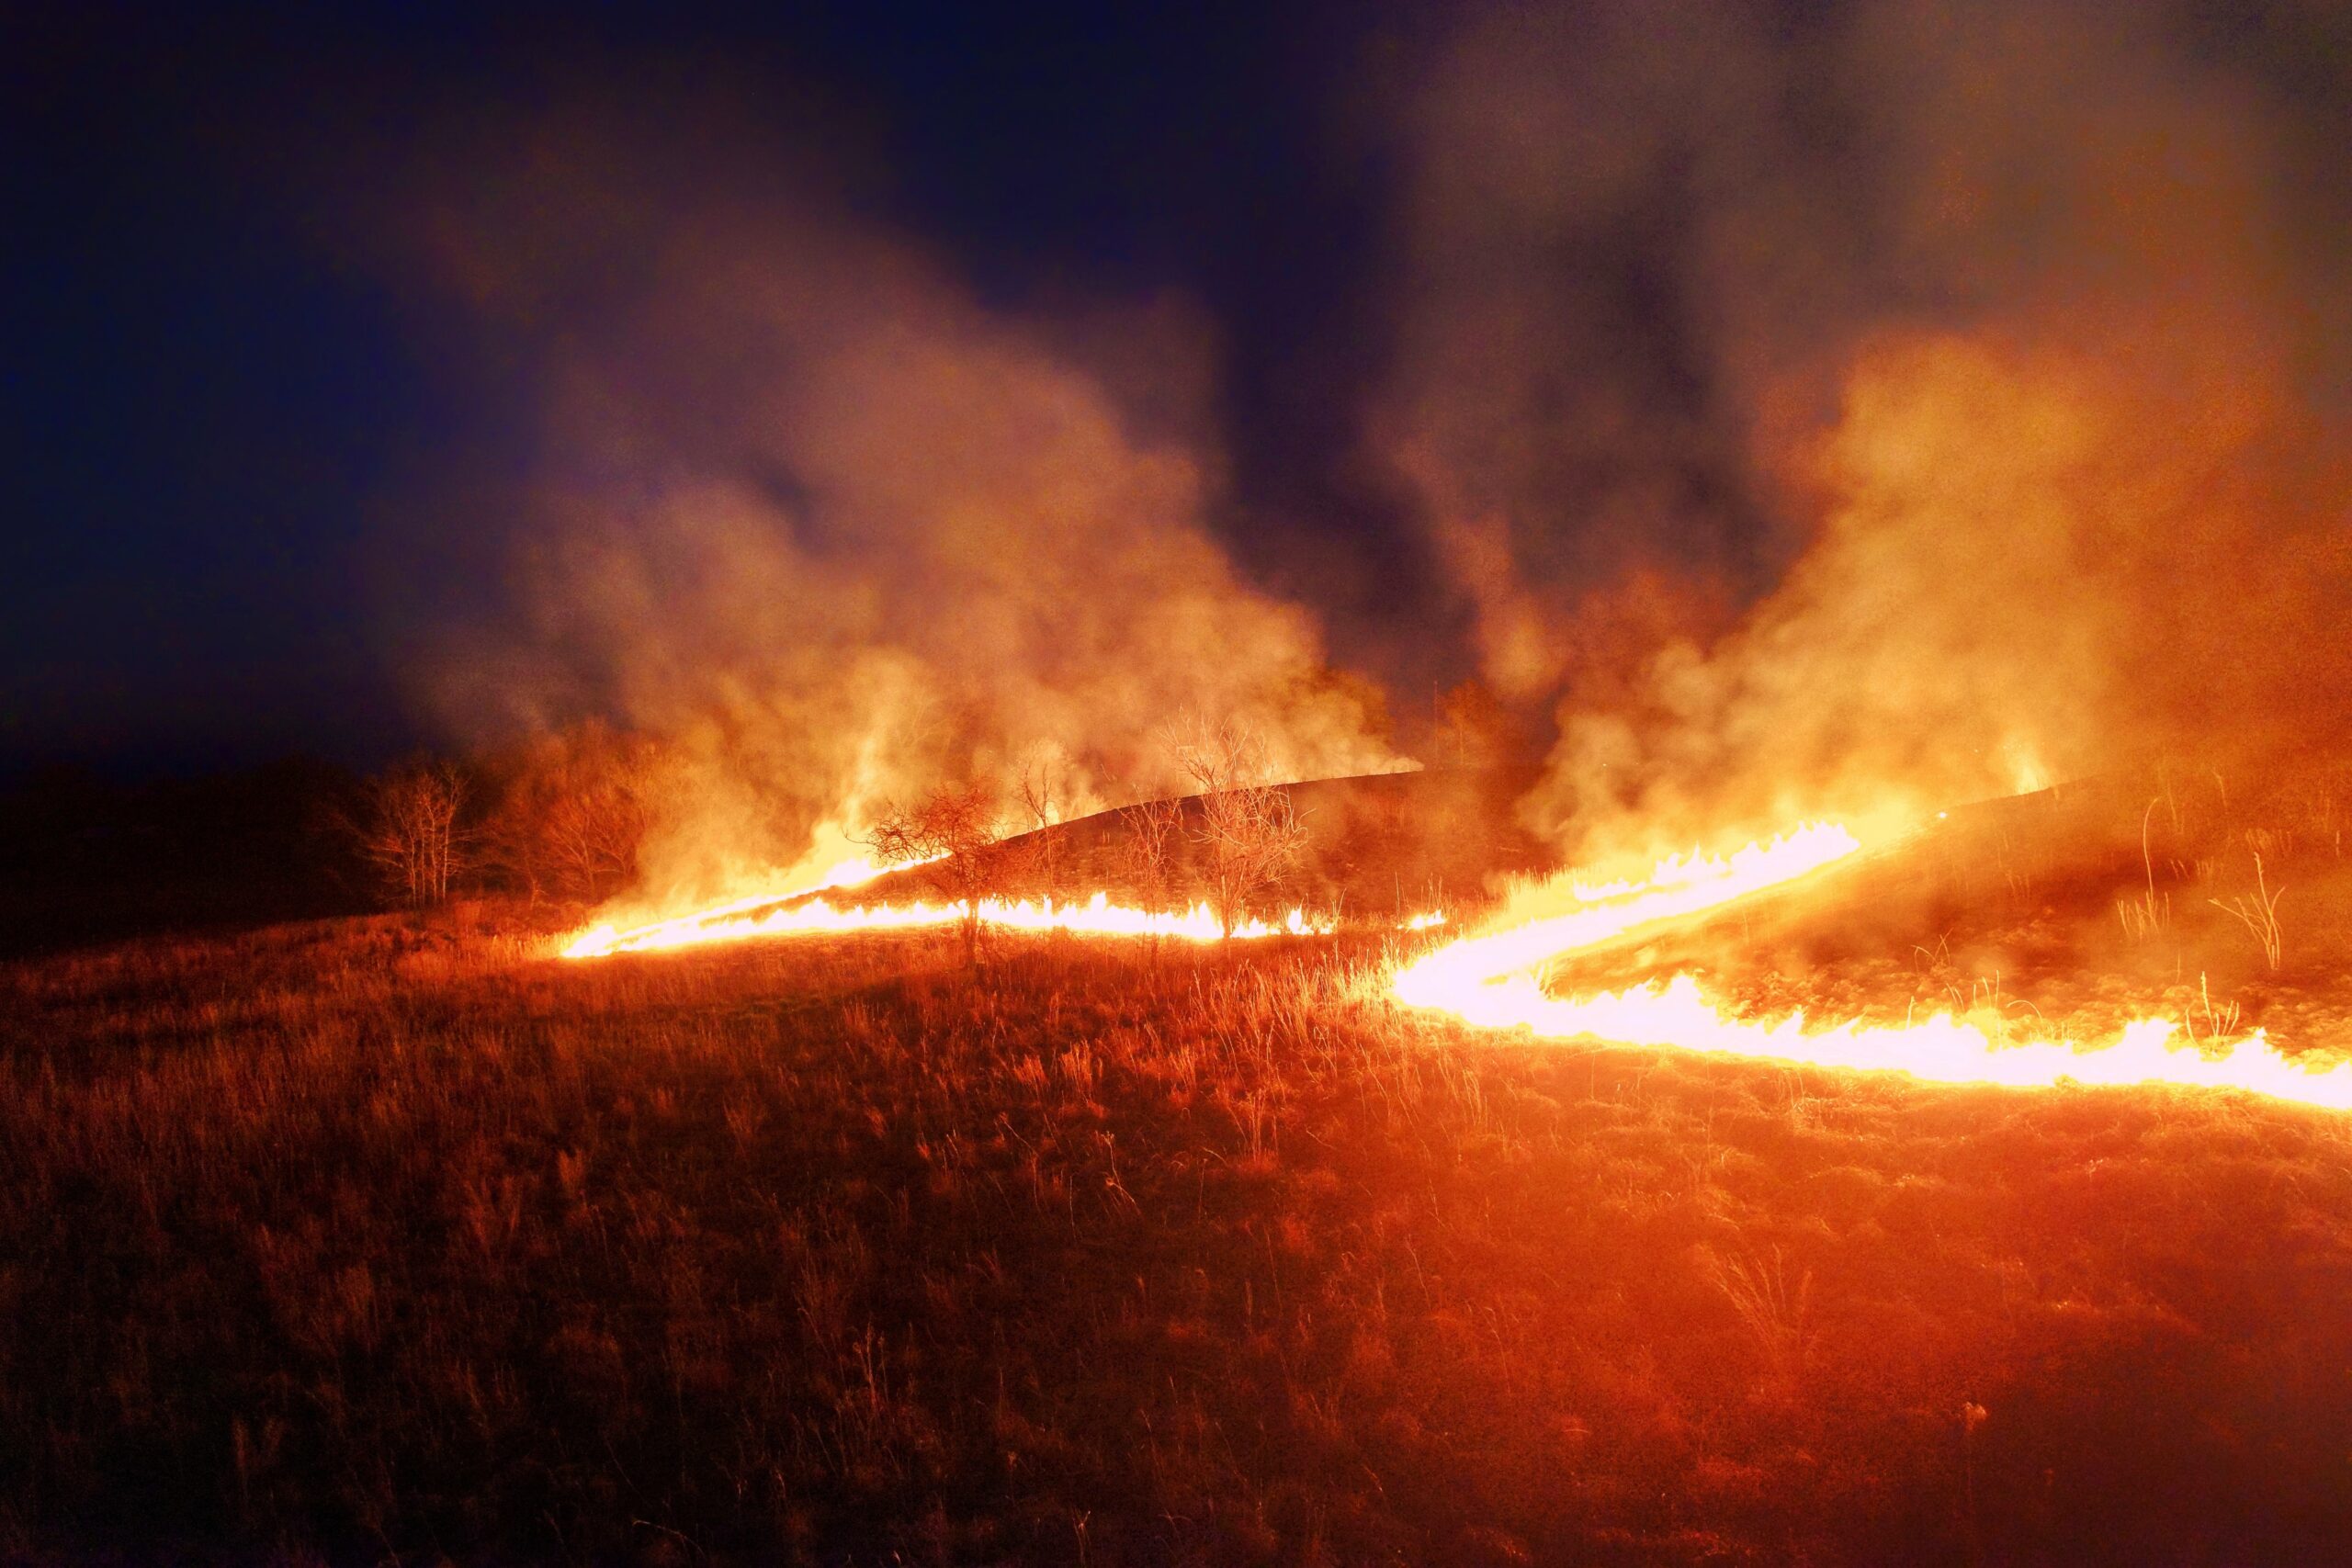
(381,1238)
(1508,977)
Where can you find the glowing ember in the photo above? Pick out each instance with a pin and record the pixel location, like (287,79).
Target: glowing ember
(1491,980)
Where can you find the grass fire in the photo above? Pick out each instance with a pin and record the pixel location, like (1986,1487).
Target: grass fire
(1492,784)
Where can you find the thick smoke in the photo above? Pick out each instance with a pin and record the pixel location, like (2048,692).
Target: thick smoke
(835,532)
(1858,410)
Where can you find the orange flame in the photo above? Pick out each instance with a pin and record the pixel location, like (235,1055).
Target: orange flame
(1491,980)
(1096,916)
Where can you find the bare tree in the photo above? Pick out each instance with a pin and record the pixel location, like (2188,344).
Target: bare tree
(1044,804)
(1252,838)
(597,814)
(573,813)
(952,833)
(1473,730)
(409,830)
(1219,757)
(1150,855)
(1249,833)
(1151,847)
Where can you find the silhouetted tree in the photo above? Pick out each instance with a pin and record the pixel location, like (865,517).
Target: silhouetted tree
(1473,728)
(1150,851)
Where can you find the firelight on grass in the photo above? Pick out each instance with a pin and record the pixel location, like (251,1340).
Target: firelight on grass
(1494,979)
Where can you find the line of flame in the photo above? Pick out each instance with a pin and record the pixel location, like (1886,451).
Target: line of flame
(844,874)
(1095,917)
(1490,979)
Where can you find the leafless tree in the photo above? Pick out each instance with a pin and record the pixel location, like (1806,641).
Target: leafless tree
(592,836)
(1251,838)
(952,832)
(1153,837)
(1044,803)
(1473,730)
(1249,833)
(597,812)
(409,830)
(1219,757)
(573,813)
(1151,849)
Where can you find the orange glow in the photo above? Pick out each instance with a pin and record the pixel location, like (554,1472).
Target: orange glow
(1493,980)
(721,919)
(1096,916)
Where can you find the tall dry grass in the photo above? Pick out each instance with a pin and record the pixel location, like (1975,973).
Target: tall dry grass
(388,1239)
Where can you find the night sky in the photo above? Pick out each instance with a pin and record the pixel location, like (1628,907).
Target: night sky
(215,421)
(248,462)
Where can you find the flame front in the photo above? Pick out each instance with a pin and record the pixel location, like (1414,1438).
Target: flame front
(1492,980)
(1096,916)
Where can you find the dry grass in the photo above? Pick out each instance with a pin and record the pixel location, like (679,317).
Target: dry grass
(2258,913)
(376,1241)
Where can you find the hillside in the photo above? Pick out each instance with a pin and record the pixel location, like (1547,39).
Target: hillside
(1379,845)
(2061,913)
(395,1239)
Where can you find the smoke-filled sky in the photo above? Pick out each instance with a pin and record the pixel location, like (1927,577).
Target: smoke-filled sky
(1770,403)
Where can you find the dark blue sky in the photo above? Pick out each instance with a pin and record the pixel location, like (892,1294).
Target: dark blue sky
(213,417)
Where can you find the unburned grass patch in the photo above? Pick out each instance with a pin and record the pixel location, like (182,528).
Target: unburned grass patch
(381,1238)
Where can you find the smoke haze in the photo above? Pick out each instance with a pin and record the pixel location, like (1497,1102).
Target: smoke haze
(836,532)
(1829,410)
(1856,410)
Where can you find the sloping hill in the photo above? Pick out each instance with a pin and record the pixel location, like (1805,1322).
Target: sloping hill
(1377,845)
(2067,909)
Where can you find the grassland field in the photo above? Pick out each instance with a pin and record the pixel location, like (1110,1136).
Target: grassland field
(396,1239)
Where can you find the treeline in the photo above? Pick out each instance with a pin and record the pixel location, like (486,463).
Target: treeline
(85,858)
(561,817)
(564,819)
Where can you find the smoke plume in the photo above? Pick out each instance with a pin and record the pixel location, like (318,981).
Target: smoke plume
(806,511)
(1853,410)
